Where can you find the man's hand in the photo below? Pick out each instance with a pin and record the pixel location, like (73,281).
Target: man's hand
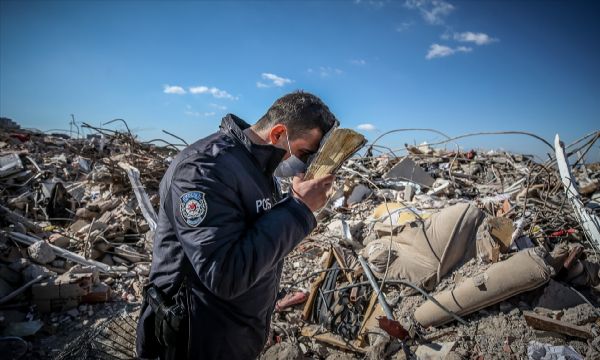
(313,193)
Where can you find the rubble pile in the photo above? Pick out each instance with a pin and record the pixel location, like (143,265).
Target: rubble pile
(434,253)
(72,231)
(492,236)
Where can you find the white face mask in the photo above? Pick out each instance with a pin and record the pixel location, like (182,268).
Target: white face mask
(291,166)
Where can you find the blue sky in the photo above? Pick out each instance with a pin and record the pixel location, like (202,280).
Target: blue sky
(454,66)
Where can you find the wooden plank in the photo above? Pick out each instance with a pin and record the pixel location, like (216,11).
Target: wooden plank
(339,256)
(547,324)
(332,339)
(314,287)
(373,311)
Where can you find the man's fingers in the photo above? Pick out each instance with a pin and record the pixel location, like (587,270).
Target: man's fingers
(297,179)
(326,181)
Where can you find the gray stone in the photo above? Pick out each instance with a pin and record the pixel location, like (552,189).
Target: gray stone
(33,271)
(41,252)
(282,351)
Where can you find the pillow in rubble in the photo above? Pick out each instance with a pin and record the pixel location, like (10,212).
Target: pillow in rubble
(423,252)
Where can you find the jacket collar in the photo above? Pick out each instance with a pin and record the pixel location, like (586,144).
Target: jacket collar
(268,157)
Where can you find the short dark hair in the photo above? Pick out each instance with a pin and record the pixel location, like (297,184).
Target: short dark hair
(299,112)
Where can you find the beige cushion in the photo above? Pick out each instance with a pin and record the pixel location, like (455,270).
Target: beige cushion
(423,253)
(524,271)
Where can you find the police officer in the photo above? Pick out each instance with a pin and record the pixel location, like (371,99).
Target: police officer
(224,229)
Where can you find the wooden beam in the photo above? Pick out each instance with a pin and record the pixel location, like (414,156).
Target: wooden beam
(547,324)
(314,287)
(332,339)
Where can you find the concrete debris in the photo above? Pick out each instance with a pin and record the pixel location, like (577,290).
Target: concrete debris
(283,351)
(10,164)
(41,252)
(539,351)
(67,202)
(358,193)
(506,245)
(434,351)
(407,169)
(521,248)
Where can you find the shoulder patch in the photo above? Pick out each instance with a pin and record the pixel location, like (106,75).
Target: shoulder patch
(193,207)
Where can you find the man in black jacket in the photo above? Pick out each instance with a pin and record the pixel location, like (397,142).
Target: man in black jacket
(224,229)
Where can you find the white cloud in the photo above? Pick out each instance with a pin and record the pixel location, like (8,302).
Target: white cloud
(326,71)
(275,80)
(358,62)
(404,26)
(168,89)
(217,106)
(199,90)
(366,127)
(373,3)
(215,92)
(432,11)
(477,38)
(191,112)
(436,51)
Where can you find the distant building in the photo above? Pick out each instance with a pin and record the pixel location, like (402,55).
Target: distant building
(6,123)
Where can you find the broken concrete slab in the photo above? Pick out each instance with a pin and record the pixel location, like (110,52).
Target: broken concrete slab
(10,164)
(539,351)
(24,239)
(434,351)
(359,192)
(407,169)
(78,225)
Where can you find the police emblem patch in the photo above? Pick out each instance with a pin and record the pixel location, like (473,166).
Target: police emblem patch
(193,207)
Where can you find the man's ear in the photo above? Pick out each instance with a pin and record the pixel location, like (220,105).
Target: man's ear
(276,133)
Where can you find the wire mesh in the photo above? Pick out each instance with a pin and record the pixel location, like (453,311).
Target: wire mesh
(111,339)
